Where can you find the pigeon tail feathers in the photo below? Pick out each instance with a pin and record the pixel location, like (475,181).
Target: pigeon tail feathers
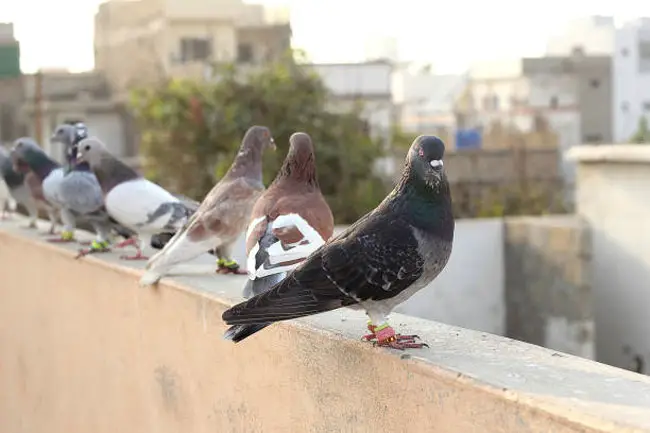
(239,332)
(179,249)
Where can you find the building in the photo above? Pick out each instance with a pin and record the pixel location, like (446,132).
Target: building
(143,41)
(425,101)
(11,91)
(629,47)
(367,84)
(55,97)
(571,95)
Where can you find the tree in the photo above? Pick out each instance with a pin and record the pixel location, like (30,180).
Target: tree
(190,132)
(642,134)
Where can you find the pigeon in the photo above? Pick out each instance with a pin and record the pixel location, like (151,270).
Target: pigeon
(289,221)
(376,264)
(15,183)
(81,193)
(7,202)
(43,177)
(223,214)
(134,202)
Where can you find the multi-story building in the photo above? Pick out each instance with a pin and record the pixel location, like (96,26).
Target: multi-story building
(140,42)
(425,101)
(569,94)
(629,48)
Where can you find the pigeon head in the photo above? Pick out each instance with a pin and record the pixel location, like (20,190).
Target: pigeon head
(259,138)
(26,154)
(68,134)
(299,163)
(91,150)
(425,160)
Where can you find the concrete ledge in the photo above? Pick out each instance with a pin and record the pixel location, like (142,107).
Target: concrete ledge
(627,153)
(84,349)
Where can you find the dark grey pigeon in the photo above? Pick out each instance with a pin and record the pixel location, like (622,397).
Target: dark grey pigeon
(376,264)
(16,186)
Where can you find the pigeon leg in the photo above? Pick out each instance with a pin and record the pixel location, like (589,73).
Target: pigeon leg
(229,267)
(385,336)
(226,265)
(126,243)
(66,236)
(138,255)
(95,247)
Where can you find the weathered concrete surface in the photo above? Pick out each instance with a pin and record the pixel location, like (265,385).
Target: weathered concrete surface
(612,197)
(548,283)
(85,349)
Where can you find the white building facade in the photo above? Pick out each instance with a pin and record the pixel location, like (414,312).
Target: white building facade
(629,47)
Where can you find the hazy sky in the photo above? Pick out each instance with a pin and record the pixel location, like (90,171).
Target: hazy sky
(59,33)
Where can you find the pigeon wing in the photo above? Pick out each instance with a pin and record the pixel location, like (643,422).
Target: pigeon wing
(375,259)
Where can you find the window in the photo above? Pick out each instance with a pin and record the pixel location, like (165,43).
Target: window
(245,53)
(625,52)
(646,106)
(625,106)
(644,56)
(578,51)
(554,102)
(195,49)
(593,138)
(595,83)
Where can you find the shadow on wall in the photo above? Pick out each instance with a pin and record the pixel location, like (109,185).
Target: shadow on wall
(548,288)
(620,297)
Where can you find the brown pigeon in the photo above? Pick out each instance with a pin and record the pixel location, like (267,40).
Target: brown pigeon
(289,221)
(222,215)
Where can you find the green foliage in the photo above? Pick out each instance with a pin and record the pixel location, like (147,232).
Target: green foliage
(190,132)
(642,134)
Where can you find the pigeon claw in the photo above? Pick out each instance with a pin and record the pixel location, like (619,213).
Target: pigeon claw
(399,345)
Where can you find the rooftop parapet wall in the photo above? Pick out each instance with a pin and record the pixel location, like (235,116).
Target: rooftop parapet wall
(85,349)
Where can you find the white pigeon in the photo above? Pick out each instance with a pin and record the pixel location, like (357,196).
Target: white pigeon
(130,199)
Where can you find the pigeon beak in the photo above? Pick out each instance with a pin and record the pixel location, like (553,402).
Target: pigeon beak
(272,144)
(79,157)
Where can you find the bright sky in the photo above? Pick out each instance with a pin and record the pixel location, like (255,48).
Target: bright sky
(59,33)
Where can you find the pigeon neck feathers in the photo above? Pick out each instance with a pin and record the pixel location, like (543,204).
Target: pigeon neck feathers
(248,162)
(112,172)
(426,206)
(41,164)
(299,166)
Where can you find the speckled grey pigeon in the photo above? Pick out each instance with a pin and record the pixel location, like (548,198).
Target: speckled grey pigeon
(223,214)
(376,264)
(81,193)
(130,199)
(43,177)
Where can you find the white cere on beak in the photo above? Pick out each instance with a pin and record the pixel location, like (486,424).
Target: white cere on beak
(436,163)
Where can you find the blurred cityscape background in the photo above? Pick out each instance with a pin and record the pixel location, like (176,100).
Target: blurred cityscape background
(170,85)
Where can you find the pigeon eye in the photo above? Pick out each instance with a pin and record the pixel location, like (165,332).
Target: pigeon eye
(87,148)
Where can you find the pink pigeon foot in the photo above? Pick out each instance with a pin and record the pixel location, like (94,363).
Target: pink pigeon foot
(137,256)
(385,336)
